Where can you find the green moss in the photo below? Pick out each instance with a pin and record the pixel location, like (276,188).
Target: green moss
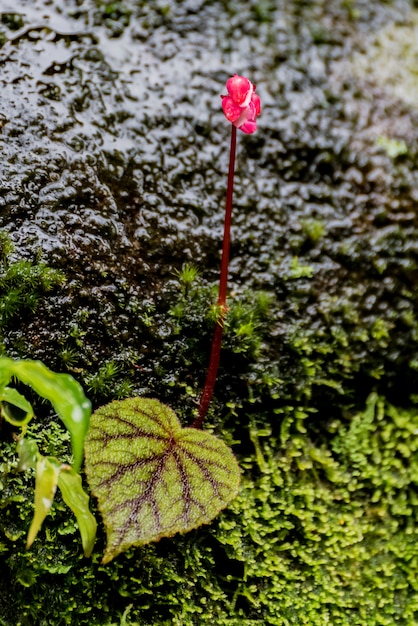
(22,283)
(13,21)
(324,531)
(115,15)
(313,229)
(100,381)
(263,11)
(393,147)
(297,270)
(196,303)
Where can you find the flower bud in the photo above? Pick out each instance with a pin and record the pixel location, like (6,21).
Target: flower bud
(242,105)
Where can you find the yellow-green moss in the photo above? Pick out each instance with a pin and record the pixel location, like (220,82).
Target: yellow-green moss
(324,531)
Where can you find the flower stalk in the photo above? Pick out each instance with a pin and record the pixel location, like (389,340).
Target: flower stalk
(241,107)
(223,283)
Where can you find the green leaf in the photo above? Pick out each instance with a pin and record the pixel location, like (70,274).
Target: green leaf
(76,498)
(153,478)
(27,450)
(50,474)
(14,407)
(47,473)
(64,393)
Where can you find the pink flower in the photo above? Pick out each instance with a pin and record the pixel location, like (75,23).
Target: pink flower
(242,105)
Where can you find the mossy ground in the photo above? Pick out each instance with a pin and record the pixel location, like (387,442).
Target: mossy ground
(324,531)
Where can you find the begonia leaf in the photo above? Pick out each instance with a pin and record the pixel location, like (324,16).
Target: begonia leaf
(153,478)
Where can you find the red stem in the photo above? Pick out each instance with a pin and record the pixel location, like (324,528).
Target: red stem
(223,282)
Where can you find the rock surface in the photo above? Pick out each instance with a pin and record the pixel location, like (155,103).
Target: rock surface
(114,157)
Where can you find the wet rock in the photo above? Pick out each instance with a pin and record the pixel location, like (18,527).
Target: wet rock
(114,153)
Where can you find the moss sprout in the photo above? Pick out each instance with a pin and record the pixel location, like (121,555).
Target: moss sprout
(22,283)
(101,382)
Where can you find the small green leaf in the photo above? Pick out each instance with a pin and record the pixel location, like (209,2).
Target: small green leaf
(64,393)
(47,472)
(76,498)
(153,478)
(14,407)
(27,450)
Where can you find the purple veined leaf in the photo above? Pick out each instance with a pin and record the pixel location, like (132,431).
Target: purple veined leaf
(153,478)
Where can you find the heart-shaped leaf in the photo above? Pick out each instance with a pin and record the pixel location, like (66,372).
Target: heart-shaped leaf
(153,478)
